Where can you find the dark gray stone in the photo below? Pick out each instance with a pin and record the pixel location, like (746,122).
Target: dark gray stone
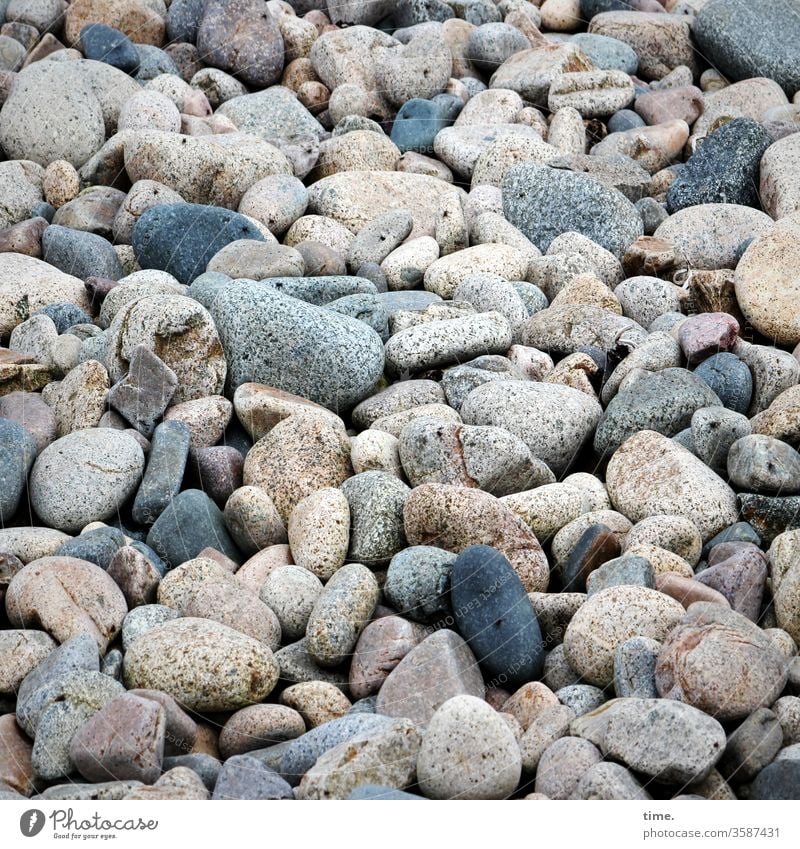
(635,668)
(65,316)
(494,615)
(166,464)
(246,777)
(190,523)
(17,452)
(590,8)
(545,202)
(740,532)
(107,44)
(418,582)
(723,169)
(625,119)
(597,545)
(79,253)
(331,359)
(181,238)
(664,402)
(410,12)
(142,396)
(653,214)
(417,123)
(751,38)
(206,766)
(183,18)
(751,747)
(729,378)
(97,546)
(779,780)
(770,515)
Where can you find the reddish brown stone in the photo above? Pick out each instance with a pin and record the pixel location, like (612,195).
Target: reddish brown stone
(741,578)
(16,770)
(687,590)
(24,238)
(180,729)
(381,646)
(701,336)
(660,105)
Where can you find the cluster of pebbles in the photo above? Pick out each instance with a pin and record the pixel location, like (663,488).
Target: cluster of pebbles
(399,399)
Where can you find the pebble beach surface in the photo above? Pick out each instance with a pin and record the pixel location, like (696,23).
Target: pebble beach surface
(399,399)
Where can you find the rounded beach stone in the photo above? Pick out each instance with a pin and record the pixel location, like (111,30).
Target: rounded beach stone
(252,520)
(340,613)
(317,702)
(609,618)
(21,651)
(66,597)
(376,501)
(650,475)
(381,646)
(203,665)
(720,662)
(85,477)
(467,731)
(259,726)
(495,616)
(319,531)
(291,592)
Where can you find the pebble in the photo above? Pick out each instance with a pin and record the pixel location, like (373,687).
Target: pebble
(465,730)
(185,658)
(736,644)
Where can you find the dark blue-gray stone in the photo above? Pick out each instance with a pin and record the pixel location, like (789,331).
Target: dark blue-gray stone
(206,766)
(663,401)
(779,780)
(723,169)
(65,316)
(271,338)
(366,308)
(418,582)
(97,546)
(107,44)
(598,544)
(628,570)
(730,378)
(416,125)
(166,464)
(607,54)
(381,793)
(17,453)
(190,523)
(321,290)
(300,754)
(490,45)
(245,777)
(545,202)
(79,253)
(183,18)
(496,618)
(739,532)
(770,515)
(153,61)
(625,119)
(751,38)
(181,238)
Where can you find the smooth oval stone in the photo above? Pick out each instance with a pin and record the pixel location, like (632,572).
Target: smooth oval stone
(203,665)
(376,502)
(327,358)
(495,617)
(245,777)
(608,54)
(85,477)
(81,254)
(417,123)
(628,570)
(729,378)
(779,780)
(98,546)
(182,238)
(190,523)
(340,614)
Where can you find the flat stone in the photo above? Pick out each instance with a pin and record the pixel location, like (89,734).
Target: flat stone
(166,462)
